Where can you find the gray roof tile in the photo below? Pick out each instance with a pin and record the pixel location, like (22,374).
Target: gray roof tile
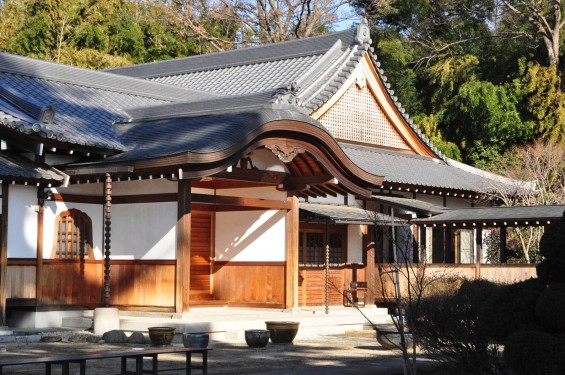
(199,134)
(89,102)
(416,170)
(499,215)
(15,167)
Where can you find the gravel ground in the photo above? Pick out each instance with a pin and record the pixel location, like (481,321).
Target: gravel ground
(354,353)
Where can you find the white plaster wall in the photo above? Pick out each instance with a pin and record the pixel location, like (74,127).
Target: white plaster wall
(267,192)
(453,202)
(22,222)
(340,199)
(433,199)
(354,244)
(265,160)
(144,231)
(246,236)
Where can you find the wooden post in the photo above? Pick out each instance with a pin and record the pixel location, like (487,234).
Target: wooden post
(3,253)
(371,274)
(291,266)
(502,244)
(39,261)
(479,245)
(184,218)
(107,237)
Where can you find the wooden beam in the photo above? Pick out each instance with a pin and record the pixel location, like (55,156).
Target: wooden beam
(254,175)
(184,219)
(244,202)
(4,252)
(291,279)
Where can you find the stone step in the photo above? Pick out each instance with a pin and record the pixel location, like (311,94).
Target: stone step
(77,322)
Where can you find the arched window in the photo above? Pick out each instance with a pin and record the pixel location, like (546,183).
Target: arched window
(73,236)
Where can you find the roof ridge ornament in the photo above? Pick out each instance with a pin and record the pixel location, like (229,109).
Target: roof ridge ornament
(363,34)
(287,94)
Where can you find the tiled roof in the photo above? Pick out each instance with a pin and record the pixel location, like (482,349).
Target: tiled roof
(341,213)
(499,215)
(15,167)
(410,204)
(88,102)
(199,134)
(318,65)
(402,168)
(239,57)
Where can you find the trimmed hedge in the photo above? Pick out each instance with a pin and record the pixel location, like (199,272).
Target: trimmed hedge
(552,246)
(550,308)
(509,309)
(535,353)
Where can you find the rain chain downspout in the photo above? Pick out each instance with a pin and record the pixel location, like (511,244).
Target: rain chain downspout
(327,266)
(107,236)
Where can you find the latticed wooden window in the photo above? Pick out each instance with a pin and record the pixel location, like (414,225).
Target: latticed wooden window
(312,249)
(73,235)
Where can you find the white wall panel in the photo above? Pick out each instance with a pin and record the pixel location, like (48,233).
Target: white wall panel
(251,236)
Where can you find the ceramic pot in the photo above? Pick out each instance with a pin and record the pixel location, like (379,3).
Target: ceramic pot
(257,338)
(390,338)
(161,335)
(282,332)
(195,340)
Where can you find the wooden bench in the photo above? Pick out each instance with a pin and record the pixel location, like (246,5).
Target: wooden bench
(136,354)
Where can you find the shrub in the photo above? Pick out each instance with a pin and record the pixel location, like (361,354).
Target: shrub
(535,353)
(552,247)
(550,307)
(509,309)
(447,325)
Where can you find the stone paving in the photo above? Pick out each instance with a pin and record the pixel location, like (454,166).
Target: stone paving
(352,353)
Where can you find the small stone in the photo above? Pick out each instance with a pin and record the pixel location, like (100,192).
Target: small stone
(77,338)
(51,339)
(115,336)
(137,338)
(93,339)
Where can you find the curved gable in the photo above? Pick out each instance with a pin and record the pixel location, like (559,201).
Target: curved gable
(363,112)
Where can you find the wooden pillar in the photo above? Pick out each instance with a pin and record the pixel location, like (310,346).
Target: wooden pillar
(502,244)
(3,253)
(39,261)
(371,270)
(291,266)
(184,219)
(107,237)
(479,246)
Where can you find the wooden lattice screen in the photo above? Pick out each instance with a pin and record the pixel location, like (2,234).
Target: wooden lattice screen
(358,117)
(73,235)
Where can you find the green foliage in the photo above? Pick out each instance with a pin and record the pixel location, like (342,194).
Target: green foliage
(544,101)
(535,353)
(447,325)
(509,309)
(429,125)
(483,119)
(550,307)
